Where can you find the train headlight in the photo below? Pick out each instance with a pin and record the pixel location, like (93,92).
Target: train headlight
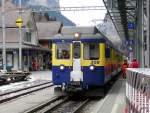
(62,67)
(92,68)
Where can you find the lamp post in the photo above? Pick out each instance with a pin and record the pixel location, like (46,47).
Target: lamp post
(4,34)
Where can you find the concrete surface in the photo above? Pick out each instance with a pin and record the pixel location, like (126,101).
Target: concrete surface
(114,101)
(27,102)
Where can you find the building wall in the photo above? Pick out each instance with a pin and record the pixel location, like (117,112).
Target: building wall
(34,39)
(30,37)
(12,35)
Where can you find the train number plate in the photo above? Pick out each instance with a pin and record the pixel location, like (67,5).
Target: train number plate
(95,62)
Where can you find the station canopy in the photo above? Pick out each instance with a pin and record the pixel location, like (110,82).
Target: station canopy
(123,15)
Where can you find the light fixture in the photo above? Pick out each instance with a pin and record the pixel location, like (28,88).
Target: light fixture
(77,35)
(92,68)
(62,67)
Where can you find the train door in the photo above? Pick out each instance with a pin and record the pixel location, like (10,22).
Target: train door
(76,74)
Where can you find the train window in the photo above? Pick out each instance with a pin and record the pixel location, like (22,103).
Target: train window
(76,50)
(107,52)
(63,51)
(91,51)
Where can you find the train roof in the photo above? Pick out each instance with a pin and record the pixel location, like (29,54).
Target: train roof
(83,37)
(69,30)
(87,34)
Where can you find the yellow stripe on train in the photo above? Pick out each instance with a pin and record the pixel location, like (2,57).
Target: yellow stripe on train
(100,62)
(69,62)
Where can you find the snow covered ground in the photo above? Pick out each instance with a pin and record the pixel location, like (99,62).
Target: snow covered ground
(41,75)
(35,76)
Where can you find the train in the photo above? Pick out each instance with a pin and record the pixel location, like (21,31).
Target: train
(13,76)
(83,58)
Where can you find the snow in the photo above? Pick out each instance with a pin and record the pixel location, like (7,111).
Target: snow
(35,76)
(42,75)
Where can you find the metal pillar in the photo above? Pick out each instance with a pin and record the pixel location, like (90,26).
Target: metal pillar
(142,55)
(20,49)
(139,34)
(20,39)
(4,34)
(148,35)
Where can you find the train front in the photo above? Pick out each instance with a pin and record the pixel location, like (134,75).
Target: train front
(77,63)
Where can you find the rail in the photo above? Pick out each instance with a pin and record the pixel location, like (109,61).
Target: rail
(138,90)
(5,97)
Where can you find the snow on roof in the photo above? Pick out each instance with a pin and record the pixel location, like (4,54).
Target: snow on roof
(69,30)
(12,13)
(48,29)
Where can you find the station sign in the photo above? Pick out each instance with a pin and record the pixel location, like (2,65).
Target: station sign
(131,25)
(19,22)
(129,42)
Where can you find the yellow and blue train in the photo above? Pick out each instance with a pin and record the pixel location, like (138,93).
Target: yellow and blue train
(83,60)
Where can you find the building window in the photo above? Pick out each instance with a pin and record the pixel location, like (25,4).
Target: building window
(9,59)
(91,51)
(28,37)
(1,61)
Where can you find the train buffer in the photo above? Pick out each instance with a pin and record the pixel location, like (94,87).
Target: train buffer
(13,75)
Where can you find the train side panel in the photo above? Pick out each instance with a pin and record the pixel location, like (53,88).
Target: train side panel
(94,77)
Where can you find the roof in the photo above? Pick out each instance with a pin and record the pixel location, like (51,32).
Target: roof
(96,38)
(69,30)
(12,35)
(12,13)
(46,30)
(123,15)
(11,16)
(24,46)
(83,36)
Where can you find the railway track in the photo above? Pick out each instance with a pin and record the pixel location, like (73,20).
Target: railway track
(62,105)
(59,105)
(7,96)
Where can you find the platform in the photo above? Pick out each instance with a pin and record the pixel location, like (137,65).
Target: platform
(114,101)
(43,75)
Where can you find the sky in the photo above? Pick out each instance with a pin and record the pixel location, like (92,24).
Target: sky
(83,18)
(80,18)
(47,3)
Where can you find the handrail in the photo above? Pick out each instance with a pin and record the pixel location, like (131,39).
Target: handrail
(138,90)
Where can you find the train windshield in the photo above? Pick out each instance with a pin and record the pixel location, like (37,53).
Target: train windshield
(63,51)
(91,51)
(76,50)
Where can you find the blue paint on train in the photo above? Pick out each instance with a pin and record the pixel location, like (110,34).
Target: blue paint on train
(60,76)
(95,77)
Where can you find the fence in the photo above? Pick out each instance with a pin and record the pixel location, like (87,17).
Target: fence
(138,90)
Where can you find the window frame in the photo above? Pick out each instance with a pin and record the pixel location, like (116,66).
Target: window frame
(89,49)
(78,57)
(56,53)
(108,56)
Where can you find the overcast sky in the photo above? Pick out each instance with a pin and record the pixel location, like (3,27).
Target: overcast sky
(83,18)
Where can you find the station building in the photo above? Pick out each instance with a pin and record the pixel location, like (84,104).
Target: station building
(31,49)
